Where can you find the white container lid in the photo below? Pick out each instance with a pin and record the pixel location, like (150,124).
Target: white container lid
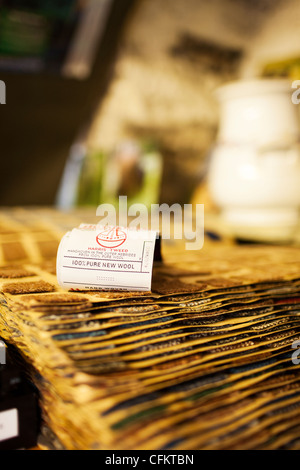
(246,88)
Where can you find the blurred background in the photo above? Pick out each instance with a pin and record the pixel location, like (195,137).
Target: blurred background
(117,97)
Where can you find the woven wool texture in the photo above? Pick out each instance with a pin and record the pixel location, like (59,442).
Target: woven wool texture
(203,361)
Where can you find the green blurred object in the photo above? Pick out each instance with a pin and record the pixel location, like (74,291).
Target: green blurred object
(133,170)
(23,33)
(36,35)
(289,68)
(90,180)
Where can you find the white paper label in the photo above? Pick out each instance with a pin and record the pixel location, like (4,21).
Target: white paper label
(97,257)
(9,425)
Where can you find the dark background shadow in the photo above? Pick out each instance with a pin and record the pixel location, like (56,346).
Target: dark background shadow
(44,114)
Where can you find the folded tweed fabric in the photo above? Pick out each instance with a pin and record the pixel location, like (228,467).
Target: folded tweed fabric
(203,361)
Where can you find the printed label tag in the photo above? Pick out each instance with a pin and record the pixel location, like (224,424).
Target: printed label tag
(9,426)
(97,257)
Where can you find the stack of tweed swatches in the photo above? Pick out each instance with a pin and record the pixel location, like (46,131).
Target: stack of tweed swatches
(206,360)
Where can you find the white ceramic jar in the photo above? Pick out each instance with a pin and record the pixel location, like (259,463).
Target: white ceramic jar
(254,174)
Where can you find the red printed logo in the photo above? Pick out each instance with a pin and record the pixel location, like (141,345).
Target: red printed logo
(111,238)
